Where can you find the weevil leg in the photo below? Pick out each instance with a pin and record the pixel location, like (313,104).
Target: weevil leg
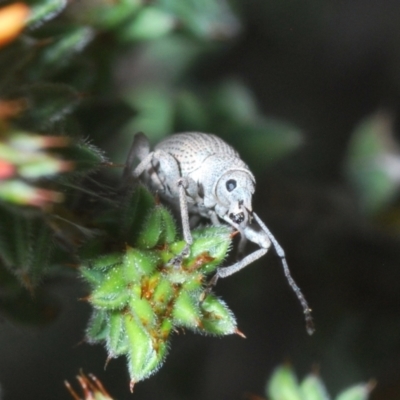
(187,235)
(232,269)
(158,164)
(169,171)
(182,184)
(140,149)
(143,165)
(258,237)
(214,218)
(264,238)
(241,247)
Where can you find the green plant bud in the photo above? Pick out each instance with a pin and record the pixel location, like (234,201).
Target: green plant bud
(43,165)
(151,23)
(148,285)
(137,263)
(177,247)
(162,295)
(357,392)
(174,249)
(117,342)
(26,142)
(140,349)
(98,327)
(186,311)
(141,308)
(145,295)
(177,275)
(152,229)
(196,264)
(283,385)
(156,359)
(131,258)
(112,293)
(135,208)
(217,318)
(193,283)
(103,263)
(213,240)
(92,276)
(22,193)
(165,329)
(169,226)
(312,388)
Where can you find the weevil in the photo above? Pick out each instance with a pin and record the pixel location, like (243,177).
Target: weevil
(203,176)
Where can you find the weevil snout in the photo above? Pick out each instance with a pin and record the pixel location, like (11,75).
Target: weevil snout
(237,218)
(240,214)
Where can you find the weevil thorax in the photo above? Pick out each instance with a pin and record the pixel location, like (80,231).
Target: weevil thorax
(234,191)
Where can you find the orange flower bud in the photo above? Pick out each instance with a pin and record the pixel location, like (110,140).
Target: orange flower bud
(12,21)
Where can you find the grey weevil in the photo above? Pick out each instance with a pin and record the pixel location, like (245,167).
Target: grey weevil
(205,177)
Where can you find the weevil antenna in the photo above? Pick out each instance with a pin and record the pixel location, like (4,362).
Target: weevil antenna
(281,253)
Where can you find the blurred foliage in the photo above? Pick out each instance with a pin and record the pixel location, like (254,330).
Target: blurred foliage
(229,108)
(283,385)
(373,164)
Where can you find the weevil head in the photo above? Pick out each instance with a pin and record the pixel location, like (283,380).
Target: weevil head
(234,192)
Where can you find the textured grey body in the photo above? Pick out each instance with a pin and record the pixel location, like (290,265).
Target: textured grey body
(202,159)
(201,175)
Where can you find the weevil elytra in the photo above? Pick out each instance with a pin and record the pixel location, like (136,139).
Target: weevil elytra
(205,177)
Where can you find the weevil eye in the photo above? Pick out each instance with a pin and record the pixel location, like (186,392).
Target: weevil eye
(230,185)
(237,218)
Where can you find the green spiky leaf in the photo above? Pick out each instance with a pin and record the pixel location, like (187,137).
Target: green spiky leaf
(312,388)
(283,385)
(217,318)
(358,392)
